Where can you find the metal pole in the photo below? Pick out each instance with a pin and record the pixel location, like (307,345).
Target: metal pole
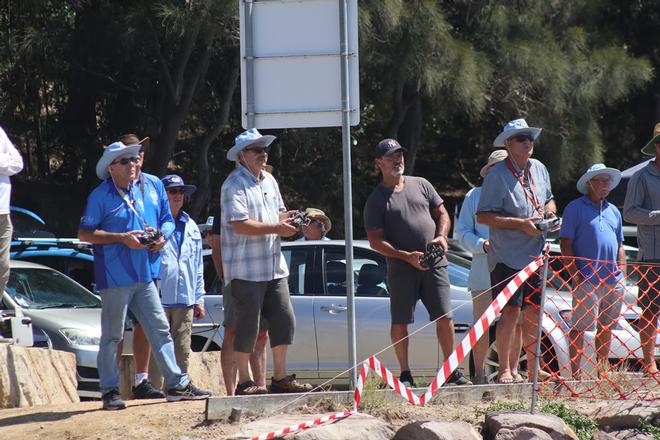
(348,199)
(249,64)
(537,360)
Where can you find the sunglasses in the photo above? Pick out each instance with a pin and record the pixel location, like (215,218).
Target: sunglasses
(523,137)
(124,160)
(258,150)
(176,191)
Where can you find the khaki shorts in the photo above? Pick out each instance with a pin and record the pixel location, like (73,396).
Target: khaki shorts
(591,302)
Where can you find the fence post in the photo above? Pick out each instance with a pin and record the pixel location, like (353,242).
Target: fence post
(537,361)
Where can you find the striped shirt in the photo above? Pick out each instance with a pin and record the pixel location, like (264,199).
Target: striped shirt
(251,257)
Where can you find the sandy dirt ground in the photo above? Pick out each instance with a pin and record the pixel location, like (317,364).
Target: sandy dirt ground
(156,419)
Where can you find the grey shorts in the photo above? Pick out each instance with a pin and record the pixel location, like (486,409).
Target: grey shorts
(649,294)
(591,302)
(527,294)
(229,313)
(254,298)
(409,285)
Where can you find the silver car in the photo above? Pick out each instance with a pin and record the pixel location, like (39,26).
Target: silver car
(66,312)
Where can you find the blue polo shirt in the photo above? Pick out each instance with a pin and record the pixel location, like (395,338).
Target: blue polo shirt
(115,264)
(596,235)
(157,212)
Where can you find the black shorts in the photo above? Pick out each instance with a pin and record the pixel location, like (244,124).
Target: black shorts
(530,291)
(409,285)
(648,297)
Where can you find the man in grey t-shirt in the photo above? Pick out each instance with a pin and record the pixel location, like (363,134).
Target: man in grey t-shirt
(402,216)
(515,196)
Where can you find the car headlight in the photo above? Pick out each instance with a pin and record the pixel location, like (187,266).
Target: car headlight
(76,336)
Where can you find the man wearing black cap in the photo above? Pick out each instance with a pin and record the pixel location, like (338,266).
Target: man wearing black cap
(402,216)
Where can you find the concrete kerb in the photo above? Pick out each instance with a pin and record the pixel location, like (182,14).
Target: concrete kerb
(219,408)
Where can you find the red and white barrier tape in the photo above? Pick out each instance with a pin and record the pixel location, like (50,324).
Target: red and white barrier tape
(452,362)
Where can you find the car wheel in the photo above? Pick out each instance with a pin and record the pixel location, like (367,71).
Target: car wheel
(549,362)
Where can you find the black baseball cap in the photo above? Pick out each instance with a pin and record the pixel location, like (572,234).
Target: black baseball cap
(387,147)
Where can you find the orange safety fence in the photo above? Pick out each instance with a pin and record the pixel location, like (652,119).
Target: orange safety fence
(585,306)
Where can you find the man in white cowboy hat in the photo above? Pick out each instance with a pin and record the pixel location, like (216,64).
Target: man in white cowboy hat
(318,226)
(181,284)
(402,216)
(474,237)
(592,231)
(253,220)
(158,216)
(515,196)
(114,222)
(642,207)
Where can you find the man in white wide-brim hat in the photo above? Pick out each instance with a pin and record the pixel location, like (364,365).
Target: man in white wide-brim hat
(253,221)
(114,222)
(515,197)
(642,207)
(592,242)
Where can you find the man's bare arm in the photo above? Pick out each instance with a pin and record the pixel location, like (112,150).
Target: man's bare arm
(377,242)
(216,254)
(442,225)
(253,227)
(494,220)
(98,236)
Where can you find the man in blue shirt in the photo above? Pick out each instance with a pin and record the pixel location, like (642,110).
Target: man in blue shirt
(157,215)
(181,275)
(592,231)
(114,222)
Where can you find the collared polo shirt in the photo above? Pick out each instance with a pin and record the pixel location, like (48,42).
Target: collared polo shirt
(502,193)
(182,266)
(115,264)
(251,257)
(157,212)
(596,233)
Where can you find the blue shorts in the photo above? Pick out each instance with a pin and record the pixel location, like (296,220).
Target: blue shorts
(528,294)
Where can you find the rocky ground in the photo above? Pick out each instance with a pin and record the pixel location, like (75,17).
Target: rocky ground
(160,420)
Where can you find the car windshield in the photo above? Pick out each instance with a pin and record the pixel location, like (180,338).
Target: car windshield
(34,288)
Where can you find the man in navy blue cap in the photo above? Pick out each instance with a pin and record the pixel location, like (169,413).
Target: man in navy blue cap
(181,285)
(403,216)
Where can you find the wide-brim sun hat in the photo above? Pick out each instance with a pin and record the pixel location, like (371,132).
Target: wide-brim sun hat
(595,170)
(649,149)
(175,181)
(495,157)
(247,138)
(112,152)
(317,214)
(133,139)
(512,128)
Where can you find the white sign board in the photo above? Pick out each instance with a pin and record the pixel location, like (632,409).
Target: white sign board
(296,63)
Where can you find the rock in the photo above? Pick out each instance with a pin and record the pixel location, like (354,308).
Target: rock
(513,420)
(204,370)
(428,430)
(625,434)
(36,376)
(358,426)
(627,413)
(523,433)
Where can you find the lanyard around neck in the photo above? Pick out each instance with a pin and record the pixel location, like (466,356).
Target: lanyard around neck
(130,204)
(528,189)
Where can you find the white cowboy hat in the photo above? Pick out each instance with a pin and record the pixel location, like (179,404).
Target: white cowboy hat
(495,157)
(595,170)
(513,128)
(112,152)
(245,139)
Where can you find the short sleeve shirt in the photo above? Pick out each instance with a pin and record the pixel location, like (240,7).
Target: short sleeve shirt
(503,194)
(596,233)
(404,216)
(115,264)
(251,257)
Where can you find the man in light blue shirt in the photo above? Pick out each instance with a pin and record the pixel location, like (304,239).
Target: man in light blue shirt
(592,231)
(113,221)
(181,275)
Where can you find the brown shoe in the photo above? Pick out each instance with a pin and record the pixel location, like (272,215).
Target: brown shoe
(249,388)
(289,384)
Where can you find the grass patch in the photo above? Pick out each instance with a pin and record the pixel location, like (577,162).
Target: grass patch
(646,425)
(583,426)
